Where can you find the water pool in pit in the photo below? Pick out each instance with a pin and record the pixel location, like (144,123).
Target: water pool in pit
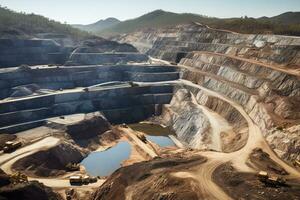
(104,163)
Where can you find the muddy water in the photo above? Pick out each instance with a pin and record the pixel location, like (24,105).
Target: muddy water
(155,133)
(106,162)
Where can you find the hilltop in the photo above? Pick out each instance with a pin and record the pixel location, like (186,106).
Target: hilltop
(15,24)
(284,24)
(98,26)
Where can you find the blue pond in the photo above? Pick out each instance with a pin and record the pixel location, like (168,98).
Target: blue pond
(106,162)
(162,141)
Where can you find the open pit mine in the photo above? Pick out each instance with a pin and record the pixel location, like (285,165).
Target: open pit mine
(185,112)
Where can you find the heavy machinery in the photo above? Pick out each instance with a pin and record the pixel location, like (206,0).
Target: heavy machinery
(123,125)
(75,180)
(79,179)
(271,179)
(132,84)
(11,146)
(18,178)
(73,167)
(297,163)
(142,137)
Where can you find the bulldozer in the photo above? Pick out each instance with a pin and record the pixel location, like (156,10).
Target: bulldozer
(11,146)
(18,178)
(142,137)
(271,179)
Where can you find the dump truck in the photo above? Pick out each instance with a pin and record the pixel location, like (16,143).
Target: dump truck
(271,179)
(11,146)
(123,125)
(73,167)
(79,179)
(75,180)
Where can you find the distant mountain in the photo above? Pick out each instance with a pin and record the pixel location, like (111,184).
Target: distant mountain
(284,24)
(155,19)
(285,18)
(98,26)
(15,24)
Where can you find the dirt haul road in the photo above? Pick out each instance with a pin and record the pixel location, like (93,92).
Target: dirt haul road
(255,139)
(7,160)
(238,158)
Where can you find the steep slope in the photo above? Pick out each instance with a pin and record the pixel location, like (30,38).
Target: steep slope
(259,72)
(14,24)
(98,26)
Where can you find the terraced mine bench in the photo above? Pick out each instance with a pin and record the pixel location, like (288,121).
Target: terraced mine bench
(117,101)
(55,78)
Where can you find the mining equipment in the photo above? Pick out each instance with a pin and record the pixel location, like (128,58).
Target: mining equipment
(11,146)
(271,179)
(73,167)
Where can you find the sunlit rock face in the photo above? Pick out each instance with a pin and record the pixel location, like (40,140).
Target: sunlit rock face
(259,72)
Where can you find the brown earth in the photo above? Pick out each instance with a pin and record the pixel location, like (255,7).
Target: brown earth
(261,160)
(51,162)
(152,180)
(28,191)
(240,185)
(93,125)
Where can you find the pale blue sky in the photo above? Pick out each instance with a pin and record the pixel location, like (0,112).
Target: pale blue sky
(89,11)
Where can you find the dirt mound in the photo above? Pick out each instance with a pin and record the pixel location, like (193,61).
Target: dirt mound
(6,137)
(94,124)
(51,162)
(28,191)
(247,186)
(152,180)
(260,160)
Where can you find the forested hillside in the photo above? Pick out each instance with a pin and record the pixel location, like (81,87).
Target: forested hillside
(27,25)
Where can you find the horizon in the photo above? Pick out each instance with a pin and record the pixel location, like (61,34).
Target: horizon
(70,11)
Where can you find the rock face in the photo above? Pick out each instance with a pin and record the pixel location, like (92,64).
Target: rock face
(117,103)
(188,120)
(101,51)
(51,162)
(15,52)
(259,72)
(186,115)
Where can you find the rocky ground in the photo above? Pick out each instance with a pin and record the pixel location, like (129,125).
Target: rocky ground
(247,185)
(26,191)
(152,180)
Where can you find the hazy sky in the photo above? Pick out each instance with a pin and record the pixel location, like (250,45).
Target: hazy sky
(89,11)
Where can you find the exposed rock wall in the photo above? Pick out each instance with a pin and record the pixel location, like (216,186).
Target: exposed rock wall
(192,125)
(188,120)
(15,52)
(115,104)
(55,78)
(260,72)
